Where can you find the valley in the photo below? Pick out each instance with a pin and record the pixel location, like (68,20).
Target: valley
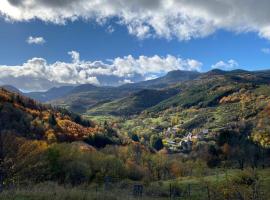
(152,132)
(134,100)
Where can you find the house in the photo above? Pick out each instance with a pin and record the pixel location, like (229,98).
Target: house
(170,142)
(205,131)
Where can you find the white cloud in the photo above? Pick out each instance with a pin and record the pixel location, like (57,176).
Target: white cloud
(75,56)
(266,50)
(229,65)
(183,19)
(151,77)
(35,40)
(125,81)
(128,65)
(43,75)
(110,29)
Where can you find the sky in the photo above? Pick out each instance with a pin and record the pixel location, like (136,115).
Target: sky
(48,43)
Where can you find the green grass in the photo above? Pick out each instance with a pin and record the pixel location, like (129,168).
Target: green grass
(102,118)
(52,191)
(123,190)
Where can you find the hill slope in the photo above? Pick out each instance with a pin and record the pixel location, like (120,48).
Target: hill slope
(11,89)
(216,103)
(211,87)
(25,117)
(133,104)
(53,93)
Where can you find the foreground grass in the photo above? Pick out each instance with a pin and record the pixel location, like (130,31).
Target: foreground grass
(52,191)
(195,186)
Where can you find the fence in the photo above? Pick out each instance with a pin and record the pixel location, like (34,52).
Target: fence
(177,190)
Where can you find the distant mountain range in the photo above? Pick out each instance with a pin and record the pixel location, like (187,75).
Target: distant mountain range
(128,98)
(83,97)
(172,77)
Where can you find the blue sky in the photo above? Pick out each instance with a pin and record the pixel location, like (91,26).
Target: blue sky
(48,43)
(94,42)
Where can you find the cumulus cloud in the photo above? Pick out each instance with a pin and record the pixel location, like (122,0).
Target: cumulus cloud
(266,50)
(229,65)
(183,19)
(37,74)
(128,65)
(35,40)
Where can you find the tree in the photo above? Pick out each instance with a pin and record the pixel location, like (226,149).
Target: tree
(52,120)
(156,142)
(135,138)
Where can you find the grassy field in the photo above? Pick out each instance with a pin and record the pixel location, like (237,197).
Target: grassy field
(101,118)
(193,188)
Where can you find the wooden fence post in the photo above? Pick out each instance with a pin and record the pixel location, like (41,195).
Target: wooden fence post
(189,191)
(170,190)
(137,190)
(208,192)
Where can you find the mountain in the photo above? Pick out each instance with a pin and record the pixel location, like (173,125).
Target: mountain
(216,72)
(83,97)
(53,93)
(197,89)
(83,88)
(134,103)
(172,77)
(89,95)
(210,87)
(11,88)
(126,99)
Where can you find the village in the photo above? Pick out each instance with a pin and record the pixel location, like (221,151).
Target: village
(182,143)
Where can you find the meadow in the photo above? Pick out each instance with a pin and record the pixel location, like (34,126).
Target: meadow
(222,184)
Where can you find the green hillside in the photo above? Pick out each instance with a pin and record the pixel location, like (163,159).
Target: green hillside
(134,103)
(215,103)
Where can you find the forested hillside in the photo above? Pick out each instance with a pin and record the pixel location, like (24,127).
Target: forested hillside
(25,117)
(214,123)
(204,108)
(134,103)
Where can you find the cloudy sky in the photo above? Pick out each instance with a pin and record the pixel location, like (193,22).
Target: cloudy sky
(46,43)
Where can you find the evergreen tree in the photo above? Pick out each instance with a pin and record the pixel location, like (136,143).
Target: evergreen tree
(156,142)
(135,138)
(52,120)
